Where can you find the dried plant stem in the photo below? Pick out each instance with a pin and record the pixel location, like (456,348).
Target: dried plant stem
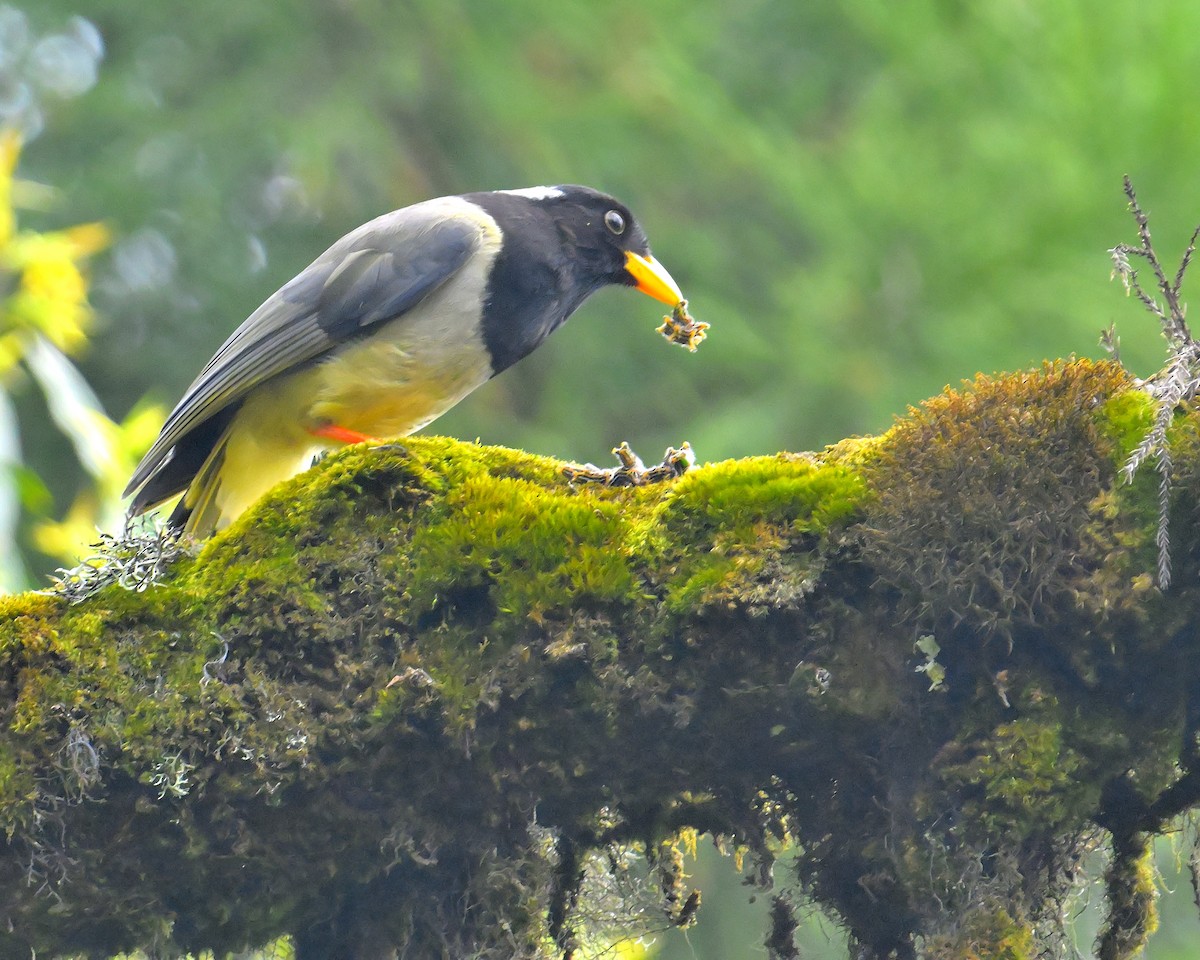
(1179,380)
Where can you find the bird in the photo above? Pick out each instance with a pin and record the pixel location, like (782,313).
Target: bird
(384,332)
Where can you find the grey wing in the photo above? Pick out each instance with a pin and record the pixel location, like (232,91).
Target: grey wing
(372,275)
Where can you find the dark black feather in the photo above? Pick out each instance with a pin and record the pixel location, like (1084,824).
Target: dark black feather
(556,254)
(187,457)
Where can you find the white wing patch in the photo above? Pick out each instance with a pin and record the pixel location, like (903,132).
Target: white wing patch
(535,193)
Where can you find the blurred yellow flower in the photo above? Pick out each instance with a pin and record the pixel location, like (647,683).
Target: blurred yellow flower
(68,538)
(117,448)
(45,314)
(51,296)
(623,949)
(11,351)
(57,279)
(84,239)
(43,270)
(10,150)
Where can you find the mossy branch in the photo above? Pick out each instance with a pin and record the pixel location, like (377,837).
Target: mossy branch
(422,693)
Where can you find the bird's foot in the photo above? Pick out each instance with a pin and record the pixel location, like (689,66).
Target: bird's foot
(632,472)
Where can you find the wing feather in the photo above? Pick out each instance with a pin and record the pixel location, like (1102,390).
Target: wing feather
(373,275)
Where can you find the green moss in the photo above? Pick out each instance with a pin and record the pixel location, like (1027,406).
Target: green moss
(730,525)
(797,493)
(1125,418)
(704,581)
(19,787)
(981,495)
(26,623)
(986,933)
(1028,778)
(532,549)
(411,647)
(1132,900)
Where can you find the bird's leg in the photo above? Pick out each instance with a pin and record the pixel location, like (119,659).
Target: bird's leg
(632,472)
(331,431)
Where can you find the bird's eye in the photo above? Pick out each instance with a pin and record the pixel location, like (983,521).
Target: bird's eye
(615,222)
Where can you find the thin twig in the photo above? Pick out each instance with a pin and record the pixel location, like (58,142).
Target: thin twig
(1179,380)
(1187,258)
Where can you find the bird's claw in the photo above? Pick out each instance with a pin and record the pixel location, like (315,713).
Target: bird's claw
(632,472)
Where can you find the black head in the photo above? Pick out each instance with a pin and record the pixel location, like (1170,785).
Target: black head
(560,245)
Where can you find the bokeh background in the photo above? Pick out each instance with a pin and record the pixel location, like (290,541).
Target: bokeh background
(867,199)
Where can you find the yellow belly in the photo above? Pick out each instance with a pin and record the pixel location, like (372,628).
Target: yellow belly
(396,380)
(382,388)
(385,386)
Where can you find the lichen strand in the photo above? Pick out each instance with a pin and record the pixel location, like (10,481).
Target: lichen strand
(397,704)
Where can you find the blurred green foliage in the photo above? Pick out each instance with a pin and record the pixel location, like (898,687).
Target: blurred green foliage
(866,199)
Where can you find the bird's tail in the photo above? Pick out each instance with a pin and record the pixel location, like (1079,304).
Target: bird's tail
(199,509)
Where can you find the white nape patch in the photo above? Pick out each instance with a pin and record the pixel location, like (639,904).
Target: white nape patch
(535,193)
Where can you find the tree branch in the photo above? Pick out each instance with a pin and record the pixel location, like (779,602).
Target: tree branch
(401,706)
